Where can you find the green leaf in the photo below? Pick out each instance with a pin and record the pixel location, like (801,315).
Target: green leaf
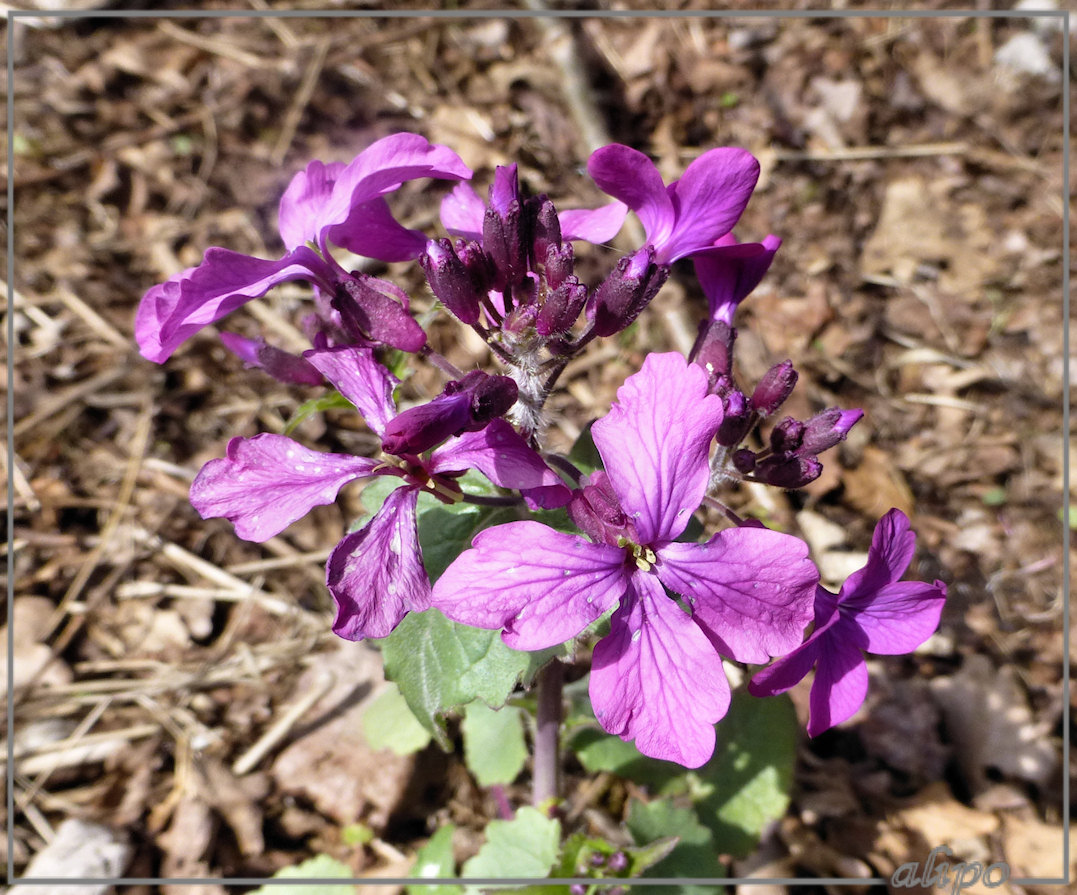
(751,772)
(446,531)
(317,868)
(694,855)
(494,748)
(389,724)
(524,847)
(332,401)
(356,834)
(435,861)
(599,751)
(440,665)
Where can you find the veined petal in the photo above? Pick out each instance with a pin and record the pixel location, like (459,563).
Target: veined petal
(172,312)
(627,174)
(708,200)
(657,679)
(596,225)
(264,484)
(727,273)
(787,671)
(654,444)
(361,379)
(462,211)
(382,167)
(376,574)
(542,586)
(900,617)
(750,589)
(501,454)
(301,203)
(372,231)
(840,685)
(892,547)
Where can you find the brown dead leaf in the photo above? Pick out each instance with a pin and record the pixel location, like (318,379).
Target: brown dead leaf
(1036,849)
(876,485)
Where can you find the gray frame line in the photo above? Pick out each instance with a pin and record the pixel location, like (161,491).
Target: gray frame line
(12,15)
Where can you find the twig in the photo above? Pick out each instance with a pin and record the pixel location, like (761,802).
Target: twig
(299,103)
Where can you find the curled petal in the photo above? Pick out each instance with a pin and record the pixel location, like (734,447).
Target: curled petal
(372,231)
(376,574)
(172,312)
(728,272)
(627,174)
(595,225)
(542,586)
(654,444)
(893,544)
(657,679)
(356,374)
(786,672)
(264,484)
(505,458)
(751,589)
(297,218)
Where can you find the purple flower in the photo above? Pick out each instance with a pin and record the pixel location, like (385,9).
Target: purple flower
(692,213)
(873,612)
(746,593)
(729,271)
(375,574)
(336,203)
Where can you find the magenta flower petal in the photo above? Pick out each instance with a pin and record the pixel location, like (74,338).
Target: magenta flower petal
(627,174)
(372,231)
(840,686)
(376,574)
(505,458)
(786,672)
(730,271)
(225,280)
(901,616)
(750,589)
(356,374)
(381,168)
(657,679)
(708,200)
(304,196)
(596,225)
(893,545)
(264,484)
(542,586)
(654,444)
(462,211)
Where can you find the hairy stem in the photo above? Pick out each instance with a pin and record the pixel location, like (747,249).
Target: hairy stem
(546,785)
(442,363)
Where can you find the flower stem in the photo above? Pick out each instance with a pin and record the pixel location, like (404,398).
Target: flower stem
(492,501)
(442,363)
(545,783)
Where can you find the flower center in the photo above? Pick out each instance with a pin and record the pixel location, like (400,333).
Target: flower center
(644,557)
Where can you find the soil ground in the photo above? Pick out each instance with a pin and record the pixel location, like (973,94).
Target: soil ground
(913,167)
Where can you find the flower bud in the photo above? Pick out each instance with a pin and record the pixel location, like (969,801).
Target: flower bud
(450,280)
(618,862)
(826,429)
(621,297)
(560,264)
(788,471)
(775,386)
(787,436)
(503,239)
(744,460)
(596,511)
(561,307)
(736,419)
(545,227)
(715,351)
(371,309)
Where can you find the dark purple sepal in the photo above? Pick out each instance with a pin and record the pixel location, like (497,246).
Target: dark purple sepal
(596,511)
(736,419)
(559,264)
(775,386)
(744,460)
(367,312)
(787,436)
(505,241)
(792,471)
(620,298)
(827,428)
(561,307)
(450,280)
(715,351)
(281,365)
(545,227)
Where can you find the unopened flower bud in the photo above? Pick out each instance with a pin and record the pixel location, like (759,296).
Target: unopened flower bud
(826,429)
(596,511)
(560,264)
(744,460)
(503,239)
(546,228)
(577,889)
(621,297)
(775,386)
(561,307)
(787,436)
(450,280)
(376,310)
(789,471)
(618,862)
(715,352)
(466,405)
(736,419)
(598,859)
(477,262)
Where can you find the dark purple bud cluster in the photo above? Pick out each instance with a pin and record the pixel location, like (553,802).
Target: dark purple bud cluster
(620,298)
(466,405)
(596,511)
